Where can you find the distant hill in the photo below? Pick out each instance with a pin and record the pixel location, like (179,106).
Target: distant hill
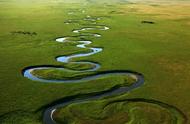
(96,1)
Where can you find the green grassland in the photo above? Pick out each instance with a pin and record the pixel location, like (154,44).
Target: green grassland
(159,51)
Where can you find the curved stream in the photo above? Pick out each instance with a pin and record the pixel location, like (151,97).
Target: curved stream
(48,113)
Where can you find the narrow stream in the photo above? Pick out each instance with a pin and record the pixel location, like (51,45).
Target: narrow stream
(83,44)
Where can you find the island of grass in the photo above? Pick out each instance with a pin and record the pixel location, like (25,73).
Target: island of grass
(131,111)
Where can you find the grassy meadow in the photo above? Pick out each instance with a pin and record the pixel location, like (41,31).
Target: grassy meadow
(159,51)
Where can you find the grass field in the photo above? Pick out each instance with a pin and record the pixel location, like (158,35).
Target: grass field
(159,51)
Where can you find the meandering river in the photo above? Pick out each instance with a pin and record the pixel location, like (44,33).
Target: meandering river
(83,44)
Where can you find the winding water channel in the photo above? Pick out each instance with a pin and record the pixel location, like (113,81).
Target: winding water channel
(83,44)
